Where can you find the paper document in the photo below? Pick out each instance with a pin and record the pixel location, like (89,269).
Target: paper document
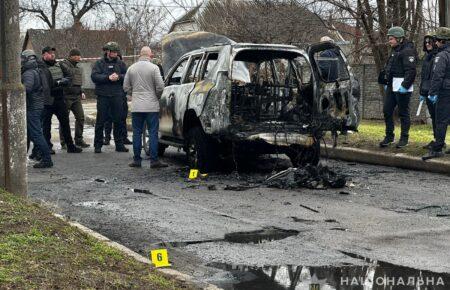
(397,82)
(419,108)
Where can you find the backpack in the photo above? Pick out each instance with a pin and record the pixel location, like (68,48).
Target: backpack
(44,82)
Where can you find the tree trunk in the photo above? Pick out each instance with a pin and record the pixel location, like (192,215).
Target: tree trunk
(13,170)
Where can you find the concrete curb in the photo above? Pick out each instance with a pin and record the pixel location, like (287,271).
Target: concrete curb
(386,159)
(166,271)
(372,157)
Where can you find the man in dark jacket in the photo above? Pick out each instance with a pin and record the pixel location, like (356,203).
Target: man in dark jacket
(108,74)
(400,72)
(73,94)
(439,93)
(54,102)
(328,62)
(430,49)
(31,79)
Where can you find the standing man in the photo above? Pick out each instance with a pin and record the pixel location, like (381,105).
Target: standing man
(439,93)
(35,104)
(55,103)
(144,83)
(108,74)
(73,95)
(400,72)
(430,49)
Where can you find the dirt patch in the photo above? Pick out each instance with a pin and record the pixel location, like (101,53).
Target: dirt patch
(39,251)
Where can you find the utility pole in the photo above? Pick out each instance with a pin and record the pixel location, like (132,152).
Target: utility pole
(13,140)
(444,11)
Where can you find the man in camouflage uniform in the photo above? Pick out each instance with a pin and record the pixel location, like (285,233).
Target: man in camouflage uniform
(73,94)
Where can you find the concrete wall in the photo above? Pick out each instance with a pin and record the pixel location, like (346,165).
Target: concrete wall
(371,104)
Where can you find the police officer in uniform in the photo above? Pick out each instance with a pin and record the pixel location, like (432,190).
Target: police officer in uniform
(73,94)
(400,67)
(439,92)
(108,74)
(55,103)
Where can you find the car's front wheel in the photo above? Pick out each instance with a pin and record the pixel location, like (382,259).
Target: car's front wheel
(200,151)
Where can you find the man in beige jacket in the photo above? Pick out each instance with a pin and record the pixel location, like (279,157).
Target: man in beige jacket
(144,83)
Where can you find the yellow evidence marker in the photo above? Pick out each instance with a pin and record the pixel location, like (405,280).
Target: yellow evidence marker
(160,258)
(193,174)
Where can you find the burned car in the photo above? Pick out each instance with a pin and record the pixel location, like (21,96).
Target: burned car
(236,99)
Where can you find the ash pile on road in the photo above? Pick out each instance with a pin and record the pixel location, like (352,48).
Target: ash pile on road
(309,176)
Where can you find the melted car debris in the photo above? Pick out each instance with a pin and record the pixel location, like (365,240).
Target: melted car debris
(309,176)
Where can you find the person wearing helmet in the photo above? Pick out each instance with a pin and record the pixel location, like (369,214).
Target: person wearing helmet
(35,98)
(108,74)
(399,75)
(430,49)
(439,92)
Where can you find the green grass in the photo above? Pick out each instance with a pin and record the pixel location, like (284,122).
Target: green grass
(370,133)
(40,251)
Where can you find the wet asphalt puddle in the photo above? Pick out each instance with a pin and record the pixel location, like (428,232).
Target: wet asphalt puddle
(373,275)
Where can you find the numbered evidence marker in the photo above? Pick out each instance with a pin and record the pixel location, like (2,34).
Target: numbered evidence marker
(193,173)
(160,258)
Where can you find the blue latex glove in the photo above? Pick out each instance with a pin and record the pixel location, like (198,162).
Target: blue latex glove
(402,90)
(433,99)
(421,98)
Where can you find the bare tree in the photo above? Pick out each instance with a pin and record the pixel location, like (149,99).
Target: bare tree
(375,17)
(52,11)
(44,10)
(262,21)
(141,20)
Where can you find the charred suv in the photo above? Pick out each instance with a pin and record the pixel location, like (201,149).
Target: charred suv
(243,100)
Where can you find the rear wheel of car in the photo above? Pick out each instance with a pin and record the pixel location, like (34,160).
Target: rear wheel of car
(301,155)
(146,143)
(200,151)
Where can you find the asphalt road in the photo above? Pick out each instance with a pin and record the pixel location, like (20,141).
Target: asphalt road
(384,215)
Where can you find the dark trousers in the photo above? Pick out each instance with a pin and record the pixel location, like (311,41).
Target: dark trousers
(442,121)
(432,110)
(104,105)
(138,119)
(401,101)
(35,135)
(123,127)
(74,105)
(59,109)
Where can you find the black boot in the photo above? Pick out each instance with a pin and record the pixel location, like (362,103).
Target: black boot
(126,141)
(121,148)
(432,154)
(43,164)
(73,149)
(386,141)
(107,141)
(402,143)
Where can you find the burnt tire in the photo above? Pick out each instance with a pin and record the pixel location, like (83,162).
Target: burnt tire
(200,151)
(161,149)
(301,155)
(146,143)
(145,140)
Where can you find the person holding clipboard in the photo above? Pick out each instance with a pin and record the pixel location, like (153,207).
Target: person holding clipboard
(398,78)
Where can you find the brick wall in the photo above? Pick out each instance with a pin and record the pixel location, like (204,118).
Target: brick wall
(371,104)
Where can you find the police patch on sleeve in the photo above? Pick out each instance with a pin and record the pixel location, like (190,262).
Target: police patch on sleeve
(411,59)
(437,59)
